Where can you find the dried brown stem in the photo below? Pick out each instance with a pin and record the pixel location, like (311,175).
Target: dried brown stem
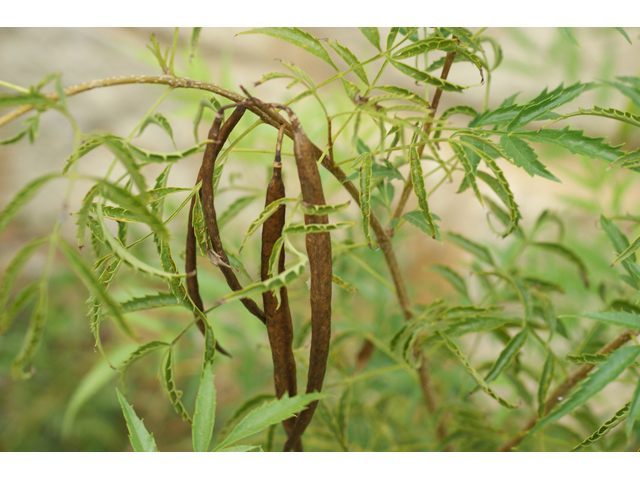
(564,388)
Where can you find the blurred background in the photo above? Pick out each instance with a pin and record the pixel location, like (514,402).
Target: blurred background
(69,404)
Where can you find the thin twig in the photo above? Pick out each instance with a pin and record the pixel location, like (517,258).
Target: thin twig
(408,186)
(562,390)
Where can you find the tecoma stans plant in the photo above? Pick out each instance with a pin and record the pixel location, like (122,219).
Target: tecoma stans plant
(505,347)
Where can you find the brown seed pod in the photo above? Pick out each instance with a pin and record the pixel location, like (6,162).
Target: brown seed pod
(319,253)
(279,325)
(218,255)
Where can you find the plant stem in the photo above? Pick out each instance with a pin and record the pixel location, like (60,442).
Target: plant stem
(562,390)
(408,186)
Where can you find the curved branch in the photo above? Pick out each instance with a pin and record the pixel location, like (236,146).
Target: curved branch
(564,387)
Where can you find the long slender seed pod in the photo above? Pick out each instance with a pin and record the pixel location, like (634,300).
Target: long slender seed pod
(319,253)
(218,256)
(193,289)
(279,325)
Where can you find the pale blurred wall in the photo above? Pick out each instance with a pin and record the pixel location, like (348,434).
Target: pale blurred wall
(531,62)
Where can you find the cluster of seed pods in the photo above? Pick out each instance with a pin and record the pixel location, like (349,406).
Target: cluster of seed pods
(276,315)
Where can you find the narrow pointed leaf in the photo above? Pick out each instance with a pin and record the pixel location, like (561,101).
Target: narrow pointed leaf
(204,416)
(479,251)
(94,285)
(297,37)
(350,59)
(417,178)
(453,278)
(425,77)
(606,373)
(169,383)
(533,111)
(618,417)
(22,197)
(620,319)
(525,157)
(141,440)
(569,255)
(575,142)
(141,352)
(365,195)
(634,410)
(506,356)
(371,34)
(546,378)
(453,348)
(271,412)
(635,245)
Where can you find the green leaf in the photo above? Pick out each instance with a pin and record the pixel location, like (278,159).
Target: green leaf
(624,34)
(417,178)
(575,142)
(324,209)
(204,416)
(365,194)
(620,319)
(140,352)
(270,413)
(119,149)
(263,217)
(347,287)
(141,440)
(243,410)
(193,44)
(91,384)
(568,254)
(15,265)
(136,205)
(630,251)
(506,356)
(297,37)
(537,109)
(371,34)
(234,209)
(587,358)
(453,348)
(426,45)
(36,100)
(469,170)
(149,301)
(22,197)
(350,59)
(317,228)
(479,251)
(425,77)
(453,278)
(416,218)
(606,373)
(393,33)
(162,122)
(634,410)
(22,299)
(32,338)
(525,157)
(276,281)
(567,33)
(169,383)
(404,93)
(94,285)
(546,378)
(618,417)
